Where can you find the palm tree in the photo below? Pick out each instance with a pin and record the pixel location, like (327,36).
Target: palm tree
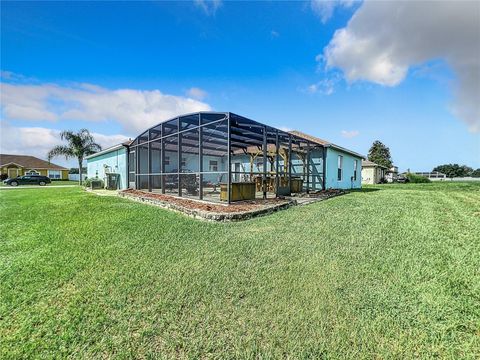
(79,145)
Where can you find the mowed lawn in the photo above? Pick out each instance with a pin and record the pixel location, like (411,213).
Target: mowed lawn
(392,271)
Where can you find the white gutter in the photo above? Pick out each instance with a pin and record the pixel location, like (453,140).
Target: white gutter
(106,151)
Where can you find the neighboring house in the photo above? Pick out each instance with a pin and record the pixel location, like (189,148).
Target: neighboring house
(18,165)
(372,173)
(343,166)
(110,160)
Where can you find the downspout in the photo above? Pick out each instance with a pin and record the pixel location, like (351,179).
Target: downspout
(324,167)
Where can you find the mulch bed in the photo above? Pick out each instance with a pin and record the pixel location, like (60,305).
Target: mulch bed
(238,206)
(240,210)
(236,211)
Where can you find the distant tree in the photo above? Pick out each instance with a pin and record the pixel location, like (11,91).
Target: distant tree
(380,154)
(79,145)
(476,173)
(75,170)
(467,170)
(454,170)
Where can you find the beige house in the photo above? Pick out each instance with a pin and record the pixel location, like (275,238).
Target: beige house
(372,173)
(18,165)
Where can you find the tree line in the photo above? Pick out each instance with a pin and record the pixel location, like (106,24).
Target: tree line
(456,170)
(379,153)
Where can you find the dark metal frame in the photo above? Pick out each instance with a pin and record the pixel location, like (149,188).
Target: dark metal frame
(241,134)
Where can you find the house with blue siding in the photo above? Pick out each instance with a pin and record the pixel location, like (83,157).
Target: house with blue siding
(222,156)
(343,167)
(112,160)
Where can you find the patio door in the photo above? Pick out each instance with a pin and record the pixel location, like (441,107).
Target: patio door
(131,170)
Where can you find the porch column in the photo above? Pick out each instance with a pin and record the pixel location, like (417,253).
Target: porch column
(277,183)
(264,175)
(229,170)
(324,163)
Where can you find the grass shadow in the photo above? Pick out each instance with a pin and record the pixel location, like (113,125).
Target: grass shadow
(364,190)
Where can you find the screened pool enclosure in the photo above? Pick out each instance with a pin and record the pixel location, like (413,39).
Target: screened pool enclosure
(223,157)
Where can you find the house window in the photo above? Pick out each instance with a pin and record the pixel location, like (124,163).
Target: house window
(32,172)
(340,168)
(213,165)
(355,170)
(184,162)
(54,174)
(166,161)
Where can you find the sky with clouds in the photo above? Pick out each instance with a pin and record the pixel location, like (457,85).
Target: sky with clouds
(406,73)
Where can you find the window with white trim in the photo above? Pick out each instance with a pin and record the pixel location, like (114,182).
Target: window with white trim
(213,165)
(340,168)
(32,172)
(54,174)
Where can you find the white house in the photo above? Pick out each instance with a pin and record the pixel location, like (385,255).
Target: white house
(372,173)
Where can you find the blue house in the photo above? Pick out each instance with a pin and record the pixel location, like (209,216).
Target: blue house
(110,160)
(343,166)
(222,156)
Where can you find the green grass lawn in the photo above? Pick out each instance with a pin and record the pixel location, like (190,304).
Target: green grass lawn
(64,182)
(392,271)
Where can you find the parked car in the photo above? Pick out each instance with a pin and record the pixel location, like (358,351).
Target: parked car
(28,180)
(401,179)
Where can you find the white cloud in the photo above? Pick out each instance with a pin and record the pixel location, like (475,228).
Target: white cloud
(323,87)
(135,110)
(383,40)
(325,8)
(14,77)
(274,34)
(37,141)
(197,93)
(210,7)
(350,134)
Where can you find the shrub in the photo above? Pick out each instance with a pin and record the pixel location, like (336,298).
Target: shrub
(3,177)
(414,178)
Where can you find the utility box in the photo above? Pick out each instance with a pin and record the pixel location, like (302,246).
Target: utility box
(112,181)
(297,185)
(96,184)
(240,191)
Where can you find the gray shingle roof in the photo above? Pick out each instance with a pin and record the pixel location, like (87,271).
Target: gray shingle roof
(324,142)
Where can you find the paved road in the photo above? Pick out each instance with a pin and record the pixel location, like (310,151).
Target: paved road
(34,187)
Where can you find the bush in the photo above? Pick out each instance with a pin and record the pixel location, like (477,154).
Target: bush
(3,177)
(417,179)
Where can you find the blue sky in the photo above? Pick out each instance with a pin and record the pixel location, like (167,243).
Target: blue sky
(73,65)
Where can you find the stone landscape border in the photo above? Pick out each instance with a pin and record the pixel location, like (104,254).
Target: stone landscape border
(171,203)
(209,215)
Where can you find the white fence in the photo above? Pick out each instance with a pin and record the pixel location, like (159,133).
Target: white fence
(76,177)
(458,179)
